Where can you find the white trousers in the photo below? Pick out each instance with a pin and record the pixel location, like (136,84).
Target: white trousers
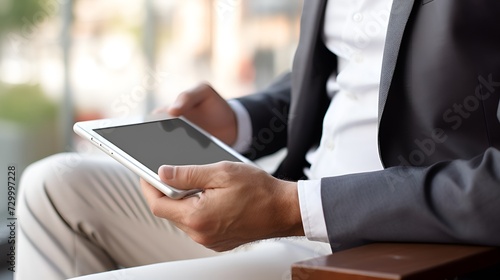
(81,215)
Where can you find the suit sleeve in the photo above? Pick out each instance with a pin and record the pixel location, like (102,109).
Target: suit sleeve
(448,202)
(268,112)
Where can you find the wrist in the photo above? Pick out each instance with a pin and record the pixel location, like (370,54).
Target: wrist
(289,217)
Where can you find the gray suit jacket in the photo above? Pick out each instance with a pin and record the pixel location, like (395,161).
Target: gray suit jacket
(439,130)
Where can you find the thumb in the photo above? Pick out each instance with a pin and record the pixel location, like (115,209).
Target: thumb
(186,177)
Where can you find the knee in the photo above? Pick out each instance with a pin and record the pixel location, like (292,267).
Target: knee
(34,180)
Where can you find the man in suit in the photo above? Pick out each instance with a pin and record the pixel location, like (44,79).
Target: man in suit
(436,128)
(439,130)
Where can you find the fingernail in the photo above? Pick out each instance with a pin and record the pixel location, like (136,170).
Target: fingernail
(167,171)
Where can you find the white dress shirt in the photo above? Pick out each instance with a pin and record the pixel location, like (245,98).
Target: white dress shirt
(355,31)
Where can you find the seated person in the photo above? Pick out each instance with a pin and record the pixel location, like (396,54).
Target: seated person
(390,120)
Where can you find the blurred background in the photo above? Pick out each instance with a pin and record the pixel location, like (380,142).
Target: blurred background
(63,61)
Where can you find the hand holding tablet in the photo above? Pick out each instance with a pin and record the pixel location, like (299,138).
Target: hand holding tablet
(143,146)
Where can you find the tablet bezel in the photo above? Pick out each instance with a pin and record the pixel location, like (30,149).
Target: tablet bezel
(86,130)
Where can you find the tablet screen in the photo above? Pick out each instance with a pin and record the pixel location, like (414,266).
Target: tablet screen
(171,141)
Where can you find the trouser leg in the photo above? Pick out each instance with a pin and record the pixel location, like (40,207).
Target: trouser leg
(79,215)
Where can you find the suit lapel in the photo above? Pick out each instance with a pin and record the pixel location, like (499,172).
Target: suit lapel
(305,57)
(312,12)
(400,13)
(311,27)
(312,65)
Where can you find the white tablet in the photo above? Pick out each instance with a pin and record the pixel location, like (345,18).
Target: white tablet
(144,145)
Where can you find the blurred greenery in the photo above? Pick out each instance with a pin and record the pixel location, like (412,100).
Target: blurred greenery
(26,105)
(16,14)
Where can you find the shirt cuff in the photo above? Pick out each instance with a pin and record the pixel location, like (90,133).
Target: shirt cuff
(311,210)
(244,123)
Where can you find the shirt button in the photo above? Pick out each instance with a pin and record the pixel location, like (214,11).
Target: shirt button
(357,17)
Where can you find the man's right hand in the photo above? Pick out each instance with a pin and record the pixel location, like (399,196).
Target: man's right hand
(204,107)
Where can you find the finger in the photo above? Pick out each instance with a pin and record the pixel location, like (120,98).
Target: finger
(203,177)
(190,99)
(150,193)
(165,207)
